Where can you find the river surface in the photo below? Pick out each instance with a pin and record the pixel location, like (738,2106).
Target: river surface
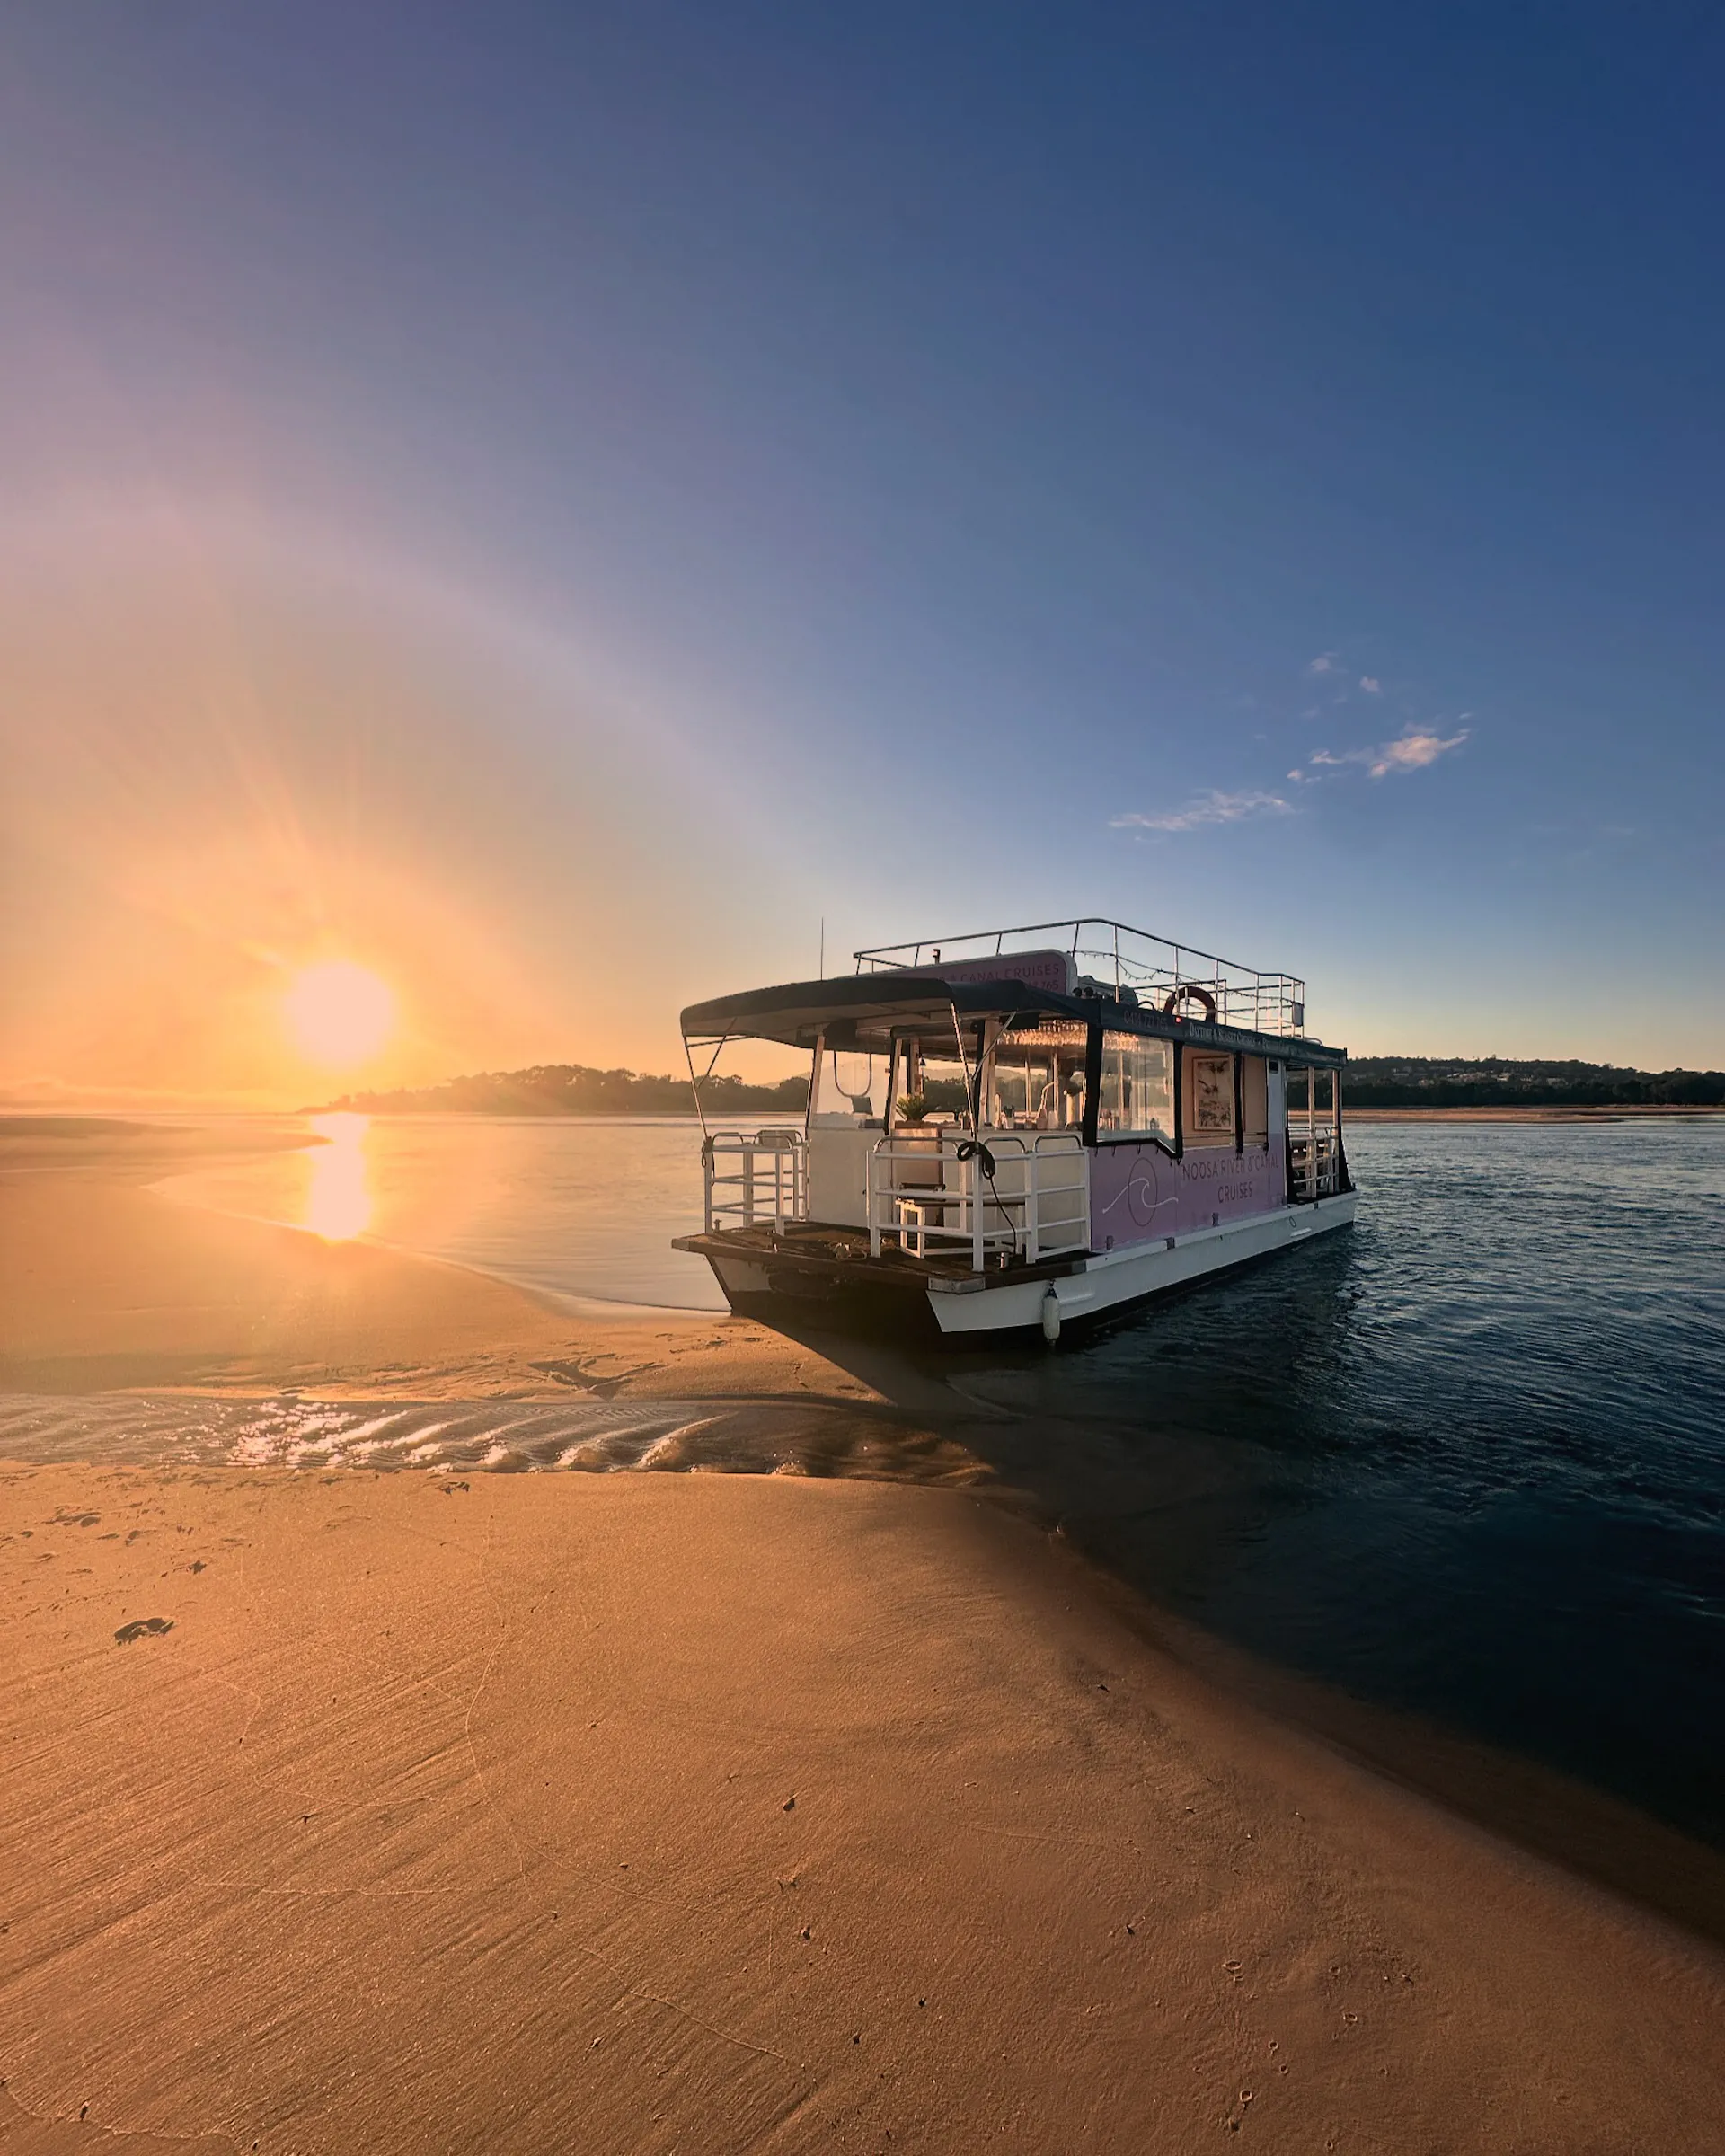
(582,1207)
(1465,1460)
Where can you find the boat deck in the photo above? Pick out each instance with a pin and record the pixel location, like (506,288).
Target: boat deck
(822,1249)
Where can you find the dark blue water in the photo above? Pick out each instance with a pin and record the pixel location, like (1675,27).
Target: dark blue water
(1469,1456)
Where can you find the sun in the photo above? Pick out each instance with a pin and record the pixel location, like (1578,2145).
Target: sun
(339,1012)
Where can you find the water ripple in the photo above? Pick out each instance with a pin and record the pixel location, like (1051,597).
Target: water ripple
(177,1429)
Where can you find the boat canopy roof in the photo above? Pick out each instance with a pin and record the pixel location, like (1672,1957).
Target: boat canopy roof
(866,1010)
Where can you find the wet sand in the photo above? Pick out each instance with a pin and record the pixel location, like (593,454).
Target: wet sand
(105,1283)
(694,1811)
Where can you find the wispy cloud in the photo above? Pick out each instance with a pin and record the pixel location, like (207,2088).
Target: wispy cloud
(1412,751)
(1371,685)
(1213,807)
(1324,663)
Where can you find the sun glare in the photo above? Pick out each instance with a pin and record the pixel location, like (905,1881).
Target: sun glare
(338,1013)
(337,1196)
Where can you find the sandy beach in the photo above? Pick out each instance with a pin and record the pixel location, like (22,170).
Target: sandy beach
(692,1811)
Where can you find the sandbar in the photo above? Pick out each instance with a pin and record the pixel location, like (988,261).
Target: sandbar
(694,1812)
(106,1283)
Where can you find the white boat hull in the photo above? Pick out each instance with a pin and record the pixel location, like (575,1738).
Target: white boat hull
(966,1304)
(1117,1278)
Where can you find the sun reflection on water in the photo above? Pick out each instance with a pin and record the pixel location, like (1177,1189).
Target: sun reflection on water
(337,1196)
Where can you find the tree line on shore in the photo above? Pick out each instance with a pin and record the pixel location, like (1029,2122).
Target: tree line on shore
(575,1089)
(1505,1081)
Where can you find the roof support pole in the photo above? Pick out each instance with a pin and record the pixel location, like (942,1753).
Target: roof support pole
(1180,1100)
(814,1082)
(713,1060)
(972,1087)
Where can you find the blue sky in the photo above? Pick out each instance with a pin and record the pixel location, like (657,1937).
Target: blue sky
(556,500)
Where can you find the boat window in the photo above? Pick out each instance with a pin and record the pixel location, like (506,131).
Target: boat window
(1254,1095)
(1035,1078)
(1136,1098)
(851,1087)
(931,1087)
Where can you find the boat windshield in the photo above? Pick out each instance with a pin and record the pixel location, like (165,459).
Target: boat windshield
(1028,1077)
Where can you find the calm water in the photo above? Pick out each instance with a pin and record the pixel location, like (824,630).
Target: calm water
(584,1208)
(1466,1459)
(1478,1446)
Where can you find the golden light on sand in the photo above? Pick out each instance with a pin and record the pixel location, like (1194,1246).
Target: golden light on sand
(337,1199)
(339,1012)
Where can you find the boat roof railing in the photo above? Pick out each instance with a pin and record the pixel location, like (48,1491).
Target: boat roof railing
(1104,952)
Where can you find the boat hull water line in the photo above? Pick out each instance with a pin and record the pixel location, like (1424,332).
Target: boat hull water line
(1020,1129)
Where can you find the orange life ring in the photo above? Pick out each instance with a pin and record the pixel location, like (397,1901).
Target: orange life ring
(1191,988)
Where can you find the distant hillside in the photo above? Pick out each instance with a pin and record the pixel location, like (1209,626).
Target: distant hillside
(573,1089)
(1502,1082)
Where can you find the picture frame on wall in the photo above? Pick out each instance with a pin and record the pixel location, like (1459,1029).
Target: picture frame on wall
(1212,1094)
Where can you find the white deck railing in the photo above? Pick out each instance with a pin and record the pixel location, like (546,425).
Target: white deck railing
(1158,971)
(1313,1159)
(938,1191)
(754,1176)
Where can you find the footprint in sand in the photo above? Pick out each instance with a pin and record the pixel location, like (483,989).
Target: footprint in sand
(137,1629)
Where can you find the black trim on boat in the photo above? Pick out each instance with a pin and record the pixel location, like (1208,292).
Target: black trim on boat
(1180,1100)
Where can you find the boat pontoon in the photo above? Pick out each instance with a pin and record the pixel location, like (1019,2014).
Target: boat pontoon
(1021,1128)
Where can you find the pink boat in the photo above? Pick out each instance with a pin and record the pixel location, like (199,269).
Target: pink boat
(1021,1128)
